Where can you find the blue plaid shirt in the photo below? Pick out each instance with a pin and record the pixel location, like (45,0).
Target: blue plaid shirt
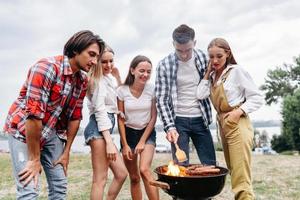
(166,88)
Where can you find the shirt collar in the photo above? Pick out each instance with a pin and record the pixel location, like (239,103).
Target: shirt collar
(68,70)
(67,67)
(213,74)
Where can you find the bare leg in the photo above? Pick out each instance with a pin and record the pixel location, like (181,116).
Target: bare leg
(100,168)
(120,173)
(135,179)
(145,168)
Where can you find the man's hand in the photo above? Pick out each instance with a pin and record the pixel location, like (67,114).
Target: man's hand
(172,136)
(33,167)
(64,161)
(31,171)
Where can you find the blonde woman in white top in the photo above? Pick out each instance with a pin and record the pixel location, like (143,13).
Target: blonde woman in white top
(136,99)
(234,95)
(97,133)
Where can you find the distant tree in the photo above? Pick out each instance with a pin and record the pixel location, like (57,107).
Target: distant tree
(279,143)
(282,81)
(291,119)
(290,137)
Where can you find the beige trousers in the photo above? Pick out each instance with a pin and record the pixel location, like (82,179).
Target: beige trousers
(237,140)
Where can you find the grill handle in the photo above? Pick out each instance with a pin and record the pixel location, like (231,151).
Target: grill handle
(162,185)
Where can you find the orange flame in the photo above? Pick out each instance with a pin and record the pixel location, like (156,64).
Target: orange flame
(173,169)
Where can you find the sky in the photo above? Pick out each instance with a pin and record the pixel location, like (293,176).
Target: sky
(262,34)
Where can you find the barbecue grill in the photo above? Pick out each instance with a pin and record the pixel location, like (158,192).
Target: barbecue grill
(196,187)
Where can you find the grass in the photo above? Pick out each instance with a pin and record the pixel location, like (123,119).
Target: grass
(274,177)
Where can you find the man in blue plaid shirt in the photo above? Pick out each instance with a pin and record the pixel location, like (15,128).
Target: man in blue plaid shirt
(182,114)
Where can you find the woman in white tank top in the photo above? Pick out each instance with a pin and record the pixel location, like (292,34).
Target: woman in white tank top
(136,99)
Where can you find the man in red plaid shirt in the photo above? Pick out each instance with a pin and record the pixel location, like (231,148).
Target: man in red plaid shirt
(44,120)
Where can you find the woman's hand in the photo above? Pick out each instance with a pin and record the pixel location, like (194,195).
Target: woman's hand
(115,72)
(127,153)
(139,147)
(234,115)
(111,151)
(209,69)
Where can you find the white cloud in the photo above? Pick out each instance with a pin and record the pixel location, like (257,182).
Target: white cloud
(262,34)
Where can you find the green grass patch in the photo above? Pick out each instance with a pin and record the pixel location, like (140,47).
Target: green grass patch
(274,177)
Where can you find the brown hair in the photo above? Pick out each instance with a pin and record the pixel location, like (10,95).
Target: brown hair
(80,41)
(134,63)
(223,44)
(183,34)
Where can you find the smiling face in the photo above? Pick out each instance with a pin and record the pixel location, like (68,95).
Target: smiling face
(107,62)
(87,59)
(142,72)
(218,57)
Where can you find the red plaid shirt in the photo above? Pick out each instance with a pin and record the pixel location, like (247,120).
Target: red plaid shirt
(51,93)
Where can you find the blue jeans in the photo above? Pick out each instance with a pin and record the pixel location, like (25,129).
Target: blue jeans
(91,130)
(194,128)
(56,179)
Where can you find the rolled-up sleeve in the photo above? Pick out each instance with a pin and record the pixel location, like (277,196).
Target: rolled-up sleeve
(38,83)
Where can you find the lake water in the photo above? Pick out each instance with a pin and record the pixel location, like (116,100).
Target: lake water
(79,146)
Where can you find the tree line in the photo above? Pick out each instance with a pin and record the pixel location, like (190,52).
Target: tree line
(282,85)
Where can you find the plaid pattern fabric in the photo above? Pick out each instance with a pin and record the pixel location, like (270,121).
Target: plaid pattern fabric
(166,88)
(51,93)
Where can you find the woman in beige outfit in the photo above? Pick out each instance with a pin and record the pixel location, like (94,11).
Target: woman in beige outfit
(234,95)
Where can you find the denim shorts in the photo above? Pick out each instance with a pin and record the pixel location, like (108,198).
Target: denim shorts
(91,130)
(133,137)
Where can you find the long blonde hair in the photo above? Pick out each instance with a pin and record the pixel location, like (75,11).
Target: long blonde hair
(96,73)
(94,77)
